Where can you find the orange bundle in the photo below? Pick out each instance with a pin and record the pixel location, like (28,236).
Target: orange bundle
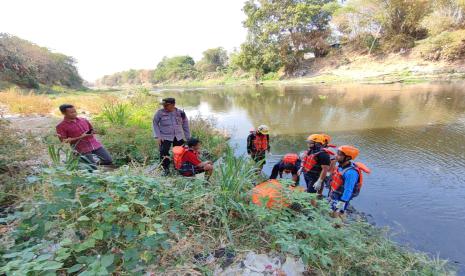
(271,192)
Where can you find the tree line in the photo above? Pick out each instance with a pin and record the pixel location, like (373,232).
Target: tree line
(28,65)
(281,33)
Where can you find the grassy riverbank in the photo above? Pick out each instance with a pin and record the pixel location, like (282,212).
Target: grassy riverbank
(133,220)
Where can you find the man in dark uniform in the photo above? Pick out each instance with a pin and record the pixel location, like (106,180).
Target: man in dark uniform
(315,164)
(170,128)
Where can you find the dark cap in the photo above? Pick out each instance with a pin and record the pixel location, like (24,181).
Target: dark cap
(168,101)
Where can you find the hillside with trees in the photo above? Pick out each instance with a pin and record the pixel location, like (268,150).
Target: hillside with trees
(28,65)
(282,34)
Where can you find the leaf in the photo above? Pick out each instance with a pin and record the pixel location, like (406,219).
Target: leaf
(107,260)
(86,245)
(123,208)
(52,265)
(94,205)
(66,242)
(98,235)
(145,220)
(32,179)
(83,218)
(74,268)
(140,202)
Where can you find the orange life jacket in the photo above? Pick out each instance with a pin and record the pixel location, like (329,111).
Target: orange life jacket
(260,142)
(337,183)
(178,153)
(290,158)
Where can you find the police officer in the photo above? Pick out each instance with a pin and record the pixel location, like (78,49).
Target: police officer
(170,127)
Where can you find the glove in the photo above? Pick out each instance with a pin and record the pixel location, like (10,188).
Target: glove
(328,174)
(340,206)
(317,185)
(299,172)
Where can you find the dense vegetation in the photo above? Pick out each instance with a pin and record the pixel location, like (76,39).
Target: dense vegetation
(29,65)
(281,33)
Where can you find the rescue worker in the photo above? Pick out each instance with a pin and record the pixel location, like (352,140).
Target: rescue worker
(258,143)
(187,159)
(170,127)
(347,180)
(289,164)
(315,164)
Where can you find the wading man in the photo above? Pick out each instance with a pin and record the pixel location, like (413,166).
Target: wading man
(170,128)
(80,134)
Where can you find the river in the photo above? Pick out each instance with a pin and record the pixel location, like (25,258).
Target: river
(411,136)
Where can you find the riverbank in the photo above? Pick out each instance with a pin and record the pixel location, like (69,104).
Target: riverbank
(340,67)
(134,220)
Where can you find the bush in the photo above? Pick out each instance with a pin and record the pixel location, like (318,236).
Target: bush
(128,223)
(445,46)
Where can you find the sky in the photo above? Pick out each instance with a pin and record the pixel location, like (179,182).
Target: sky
(108,36)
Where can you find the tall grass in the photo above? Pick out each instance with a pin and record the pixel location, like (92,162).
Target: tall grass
(25,102)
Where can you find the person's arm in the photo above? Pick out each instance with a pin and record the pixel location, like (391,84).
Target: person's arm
(269,142)
(185,125)
(324,161)
(156,127)
(249,143)
(350,180)
(63,136)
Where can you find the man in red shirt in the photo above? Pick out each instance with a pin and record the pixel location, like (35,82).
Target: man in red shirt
(191,164)
(80,134)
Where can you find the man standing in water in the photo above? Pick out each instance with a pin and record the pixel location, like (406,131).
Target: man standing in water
(80,134)
(170,127)
(258,143)
(315,164)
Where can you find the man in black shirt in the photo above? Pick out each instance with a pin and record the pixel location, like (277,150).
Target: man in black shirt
(315,164)
(289,164)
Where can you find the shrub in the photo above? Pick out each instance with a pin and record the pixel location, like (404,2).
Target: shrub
(127,223)
(446,46)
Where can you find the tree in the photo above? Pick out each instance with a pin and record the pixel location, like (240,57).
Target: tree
(213,60)
(280,32)
(175,68)
(27,64)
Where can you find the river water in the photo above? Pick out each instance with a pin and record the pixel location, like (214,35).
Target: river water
(411,136)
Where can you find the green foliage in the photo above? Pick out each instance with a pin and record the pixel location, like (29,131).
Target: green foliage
(127,223)
(130,77)
(29,65)
(174,68)
(213,60)
(445,46)
(280,32)
(116,114)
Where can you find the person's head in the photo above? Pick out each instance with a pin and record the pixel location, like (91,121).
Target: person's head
(194,144)
(68,111)
(315,141)
(263,129)
(346,153)
(327,139)
(169,104)
(288,168)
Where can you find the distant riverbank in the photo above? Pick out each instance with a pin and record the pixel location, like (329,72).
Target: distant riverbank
(337,69)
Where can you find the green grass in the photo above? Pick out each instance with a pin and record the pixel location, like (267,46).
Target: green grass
(126,222)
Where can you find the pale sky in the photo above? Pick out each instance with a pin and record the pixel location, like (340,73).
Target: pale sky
(107,36)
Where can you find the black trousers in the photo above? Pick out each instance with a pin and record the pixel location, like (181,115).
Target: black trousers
(165,152)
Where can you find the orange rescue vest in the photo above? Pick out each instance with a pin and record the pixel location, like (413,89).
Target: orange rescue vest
(178,153)
(337,183)
(290,158)
(260,142)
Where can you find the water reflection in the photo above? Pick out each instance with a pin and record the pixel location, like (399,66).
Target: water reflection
(291,110)
(412,136)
